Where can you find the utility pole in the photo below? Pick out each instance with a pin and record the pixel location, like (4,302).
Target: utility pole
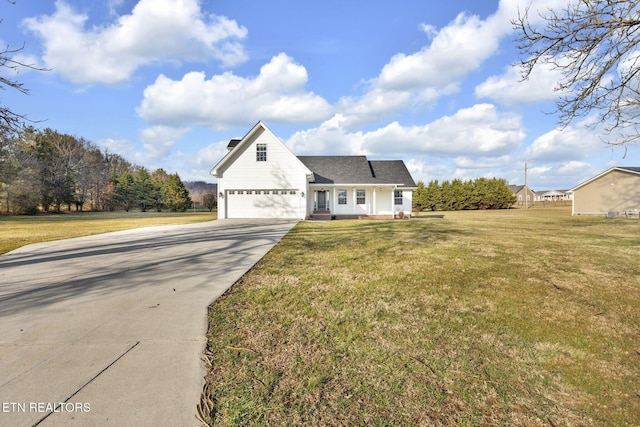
(526,189)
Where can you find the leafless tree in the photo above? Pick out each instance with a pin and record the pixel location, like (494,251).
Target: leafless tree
(10,121)
(594,43)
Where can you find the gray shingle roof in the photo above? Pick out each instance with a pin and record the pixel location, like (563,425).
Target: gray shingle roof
(392,171)
(357,170)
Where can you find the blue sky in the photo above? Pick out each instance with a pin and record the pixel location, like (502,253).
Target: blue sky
(167,83)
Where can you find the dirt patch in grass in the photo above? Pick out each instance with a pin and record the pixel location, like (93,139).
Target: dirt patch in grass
(481,318)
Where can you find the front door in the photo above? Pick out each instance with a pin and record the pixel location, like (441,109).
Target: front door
(322,200)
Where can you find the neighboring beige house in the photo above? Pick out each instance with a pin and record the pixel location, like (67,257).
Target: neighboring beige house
(519,191)
(616,190)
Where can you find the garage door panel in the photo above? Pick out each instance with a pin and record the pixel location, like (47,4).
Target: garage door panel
(252,205)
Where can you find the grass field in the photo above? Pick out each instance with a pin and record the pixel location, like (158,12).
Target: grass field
(17,231)
(527,318)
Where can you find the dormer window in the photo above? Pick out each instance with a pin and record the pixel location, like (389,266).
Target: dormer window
(261,152)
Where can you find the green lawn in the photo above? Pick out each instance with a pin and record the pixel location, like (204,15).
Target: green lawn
(17,231)
(526,318)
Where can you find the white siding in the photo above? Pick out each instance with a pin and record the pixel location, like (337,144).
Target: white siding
(282,171)
(407,197)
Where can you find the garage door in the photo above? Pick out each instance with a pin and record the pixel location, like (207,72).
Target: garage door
(280,203)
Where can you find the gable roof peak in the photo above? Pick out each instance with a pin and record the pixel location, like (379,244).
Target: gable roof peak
(236,145)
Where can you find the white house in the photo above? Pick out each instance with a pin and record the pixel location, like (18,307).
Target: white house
(261,178)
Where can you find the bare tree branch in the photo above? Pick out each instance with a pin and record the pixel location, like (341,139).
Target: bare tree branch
(10,121)
(594,44)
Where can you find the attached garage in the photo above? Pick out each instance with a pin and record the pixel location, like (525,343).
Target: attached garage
(273,203)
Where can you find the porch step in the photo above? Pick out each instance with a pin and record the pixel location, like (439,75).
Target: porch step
(318,216)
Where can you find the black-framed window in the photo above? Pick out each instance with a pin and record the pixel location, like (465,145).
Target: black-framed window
(261,152)
(342,197)
(397,197)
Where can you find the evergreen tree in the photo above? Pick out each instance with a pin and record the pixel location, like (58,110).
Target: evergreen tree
(446,197)
(419,198)
(459,199)
(503,197)
(159,178)
(480,194)
(175,194)
(144,189)
(433,196)
(124,191)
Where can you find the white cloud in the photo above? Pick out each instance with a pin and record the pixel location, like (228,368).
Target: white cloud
(208,156)
(570,143)
(373,105)
(122,147)
(561,177)
(277,94)
(420,78)
(458,48)
(480,162)
(159,140)
(422,170)
(156,30)
(572,167)
(331,137)
(480,129)
(510,89)
(113,6)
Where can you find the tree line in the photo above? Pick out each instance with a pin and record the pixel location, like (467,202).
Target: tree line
(481,193)
(45,170)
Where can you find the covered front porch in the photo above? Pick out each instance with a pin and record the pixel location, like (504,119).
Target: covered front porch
(361,201)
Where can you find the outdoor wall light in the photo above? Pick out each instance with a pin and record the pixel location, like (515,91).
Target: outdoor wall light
(302,194)
(221,195)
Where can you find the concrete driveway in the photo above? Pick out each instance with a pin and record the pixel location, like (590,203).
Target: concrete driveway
(110,329)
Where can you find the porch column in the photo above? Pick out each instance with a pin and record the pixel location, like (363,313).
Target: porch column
(375,207)
(353,193)
(393,201)
(335,199)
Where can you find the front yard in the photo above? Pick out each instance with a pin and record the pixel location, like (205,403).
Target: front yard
(480,318)
(17,231)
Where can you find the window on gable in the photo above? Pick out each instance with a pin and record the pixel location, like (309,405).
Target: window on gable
(342,197)
(361,197)
(261,152)
(397,197)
